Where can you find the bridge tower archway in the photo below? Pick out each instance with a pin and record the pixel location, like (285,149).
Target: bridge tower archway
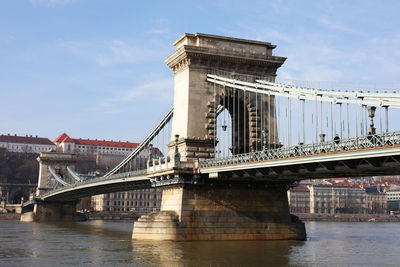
(231,123)
(196,100)
(59,162)
(17,197)
(252,120)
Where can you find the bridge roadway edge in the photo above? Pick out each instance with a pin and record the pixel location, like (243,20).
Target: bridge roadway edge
(357,163)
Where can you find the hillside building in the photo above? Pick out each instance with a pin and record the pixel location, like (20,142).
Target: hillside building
(26,144)
(375,200)
(299,199)
(393,198)
(333,199)
(138,201)
(107,153)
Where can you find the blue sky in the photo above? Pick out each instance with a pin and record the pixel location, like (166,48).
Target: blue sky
(95,69)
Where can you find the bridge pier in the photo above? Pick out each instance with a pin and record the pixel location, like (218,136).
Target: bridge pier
(53,211)
(46,210)
(221,210)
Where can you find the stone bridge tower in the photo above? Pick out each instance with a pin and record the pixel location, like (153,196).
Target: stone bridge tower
(52,211)
(195,99)
(59,162)
(196,207)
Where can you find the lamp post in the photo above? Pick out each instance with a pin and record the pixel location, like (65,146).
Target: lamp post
(264,139)
(322,137)
(177,155)
(371,114)
(150,160)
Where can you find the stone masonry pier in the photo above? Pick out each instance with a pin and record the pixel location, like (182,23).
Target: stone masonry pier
(221,211)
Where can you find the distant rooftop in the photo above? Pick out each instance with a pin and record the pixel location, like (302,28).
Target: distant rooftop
(25,139)
(64,138)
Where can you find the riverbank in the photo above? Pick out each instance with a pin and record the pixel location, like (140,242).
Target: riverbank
(89,216)
(348,217)
(10,216)
(108,216)
(303,216)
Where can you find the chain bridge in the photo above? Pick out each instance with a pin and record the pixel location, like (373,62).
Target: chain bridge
(233,143)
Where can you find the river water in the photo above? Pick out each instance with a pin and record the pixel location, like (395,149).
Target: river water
(108,243)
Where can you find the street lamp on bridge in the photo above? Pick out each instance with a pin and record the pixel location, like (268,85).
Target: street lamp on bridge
(371,114)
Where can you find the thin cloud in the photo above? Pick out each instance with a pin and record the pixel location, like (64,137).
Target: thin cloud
(161,26)
(114,52)
(163,30)
(53,3)
(120,52)
(316,55)
(328,23)
(160,90)
(6,38)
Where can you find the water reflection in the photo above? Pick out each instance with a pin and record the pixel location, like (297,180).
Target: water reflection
(109,244)
(220,253)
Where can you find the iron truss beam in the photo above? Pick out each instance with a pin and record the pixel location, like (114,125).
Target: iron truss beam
(75,192)
(366,146)
(351,166)
(300,93)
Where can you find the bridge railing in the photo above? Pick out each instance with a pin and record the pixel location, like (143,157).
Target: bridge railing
(98,179)
(356,143)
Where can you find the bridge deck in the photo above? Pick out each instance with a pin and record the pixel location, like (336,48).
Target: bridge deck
(361,156)
(364,156)
(97,187)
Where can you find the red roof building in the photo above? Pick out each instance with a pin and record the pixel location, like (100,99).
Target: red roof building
(61,138)
(67,144)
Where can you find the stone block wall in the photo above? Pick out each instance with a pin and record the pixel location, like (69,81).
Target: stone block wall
(222,211)
(193,149)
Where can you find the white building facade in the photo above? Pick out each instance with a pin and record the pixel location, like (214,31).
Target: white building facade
(26,144)
(67,144)
(336,199)
(299,199)
(138,201)
(393,198)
